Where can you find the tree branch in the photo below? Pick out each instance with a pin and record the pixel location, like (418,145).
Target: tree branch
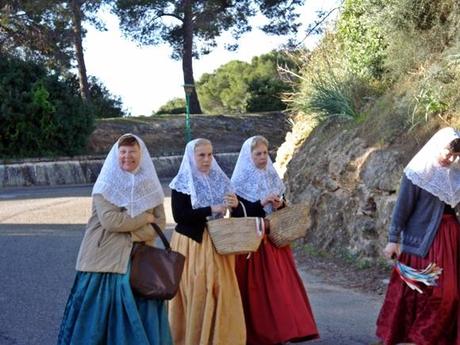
(287,71)
(317,25)
(162,14)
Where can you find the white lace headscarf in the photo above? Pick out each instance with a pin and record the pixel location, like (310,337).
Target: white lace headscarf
(252,183)
(136,191)
(425,171)
(204,189)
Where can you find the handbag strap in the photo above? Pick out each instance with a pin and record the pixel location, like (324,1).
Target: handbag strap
(162,236)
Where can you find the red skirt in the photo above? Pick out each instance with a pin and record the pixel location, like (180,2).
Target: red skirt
(430,318)
(275,302)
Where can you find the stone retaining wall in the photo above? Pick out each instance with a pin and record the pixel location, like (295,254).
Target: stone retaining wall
(85,170)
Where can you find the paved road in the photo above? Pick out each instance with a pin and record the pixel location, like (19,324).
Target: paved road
(40,232)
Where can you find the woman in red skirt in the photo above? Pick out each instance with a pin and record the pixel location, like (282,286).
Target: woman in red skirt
(424,229)
(275,302)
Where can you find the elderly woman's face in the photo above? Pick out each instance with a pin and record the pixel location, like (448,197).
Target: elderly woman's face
(203,157)
(129,157)
(447,157)
(260,156)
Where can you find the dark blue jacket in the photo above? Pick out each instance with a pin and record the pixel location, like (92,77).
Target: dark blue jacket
(416,217)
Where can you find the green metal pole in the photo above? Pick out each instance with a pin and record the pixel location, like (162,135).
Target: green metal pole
(188,132)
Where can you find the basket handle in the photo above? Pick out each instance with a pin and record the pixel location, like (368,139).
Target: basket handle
(244,209)
(260,226)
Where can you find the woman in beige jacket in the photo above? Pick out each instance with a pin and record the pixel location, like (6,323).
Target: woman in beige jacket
(101,308)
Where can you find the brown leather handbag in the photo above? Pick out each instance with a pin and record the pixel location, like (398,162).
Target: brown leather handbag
(155,272)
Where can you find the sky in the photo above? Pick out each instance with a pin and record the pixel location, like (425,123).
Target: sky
(146,77)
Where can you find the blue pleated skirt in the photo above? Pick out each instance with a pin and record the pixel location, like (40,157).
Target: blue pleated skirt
(102,310)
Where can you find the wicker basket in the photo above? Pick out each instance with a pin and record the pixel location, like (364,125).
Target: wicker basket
(288,224)
(236,235)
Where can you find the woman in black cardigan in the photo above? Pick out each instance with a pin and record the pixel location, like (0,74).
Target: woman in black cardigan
(207,308)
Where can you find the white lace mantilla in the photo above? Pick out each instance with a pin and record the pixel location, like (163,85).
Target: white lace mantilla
(424,170)
(204,189)
(252,183)
(137,191)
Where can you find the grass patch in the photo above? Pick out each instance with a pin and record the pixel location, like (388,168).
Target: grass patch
(331,98)
(355,260)
(307,249)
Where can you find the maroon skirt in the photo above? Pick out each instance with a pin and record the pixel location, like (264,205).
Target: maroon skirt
(275,302)
(432,317)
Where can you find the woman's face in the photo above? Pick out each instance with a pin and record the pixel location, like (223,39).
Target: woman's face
(447,157)
(129,157)
(260,156)
(203,157)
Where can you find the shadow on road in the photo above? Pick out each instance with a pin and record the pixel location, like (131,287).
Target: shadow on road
(44,192)
(36,229)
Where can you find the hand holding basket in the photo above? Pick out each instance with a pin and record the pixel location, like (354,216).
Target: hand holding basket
(288,224)
(236,235)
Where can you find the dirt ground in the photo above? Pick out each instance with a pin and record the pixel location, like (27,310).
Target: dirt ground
(335,270)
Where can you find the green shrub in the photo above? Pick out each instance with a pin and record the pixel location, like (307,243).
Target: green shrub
(239,87)
(173,106)
(103,103)
(39,113)
(225,90)
(414,32)
(362,42)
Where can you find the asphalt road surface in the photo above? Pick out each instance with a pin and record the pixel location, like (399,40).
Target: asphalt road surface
(40,233)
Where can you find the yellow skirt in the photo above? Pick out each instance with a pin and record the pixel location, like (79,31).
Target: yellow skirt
(207,309)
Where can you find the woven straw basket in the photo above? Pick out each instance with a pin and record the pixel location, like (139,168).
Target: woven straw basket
(288,224)
(236,235)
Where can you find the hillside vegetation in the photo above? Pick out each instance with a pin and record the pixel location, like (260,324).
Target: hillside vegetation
(379,84)
(390,66)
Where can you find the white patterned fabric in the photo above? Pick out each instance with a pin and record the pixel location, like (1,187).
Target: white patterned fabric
(252,183)
(204,189)
(425,171)
(137,191)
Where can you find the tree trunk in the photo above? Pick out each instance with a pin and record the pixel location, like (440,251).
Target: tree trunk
(187,64)
(76,26)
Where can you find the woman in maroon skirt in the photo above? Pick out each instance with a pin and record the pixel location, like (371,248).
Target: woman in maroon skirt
(275,302)
(424,229)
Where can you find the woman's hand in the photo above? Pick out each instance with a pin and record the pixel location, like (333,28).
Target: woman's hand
(392,250)
(277,202)
(231,200)
(144,234)
(271,198)
(150,218)
(219,209)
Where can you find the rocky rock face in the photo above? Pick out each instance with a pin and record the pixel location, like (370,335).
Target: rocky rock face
(350,185)
(165,135)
